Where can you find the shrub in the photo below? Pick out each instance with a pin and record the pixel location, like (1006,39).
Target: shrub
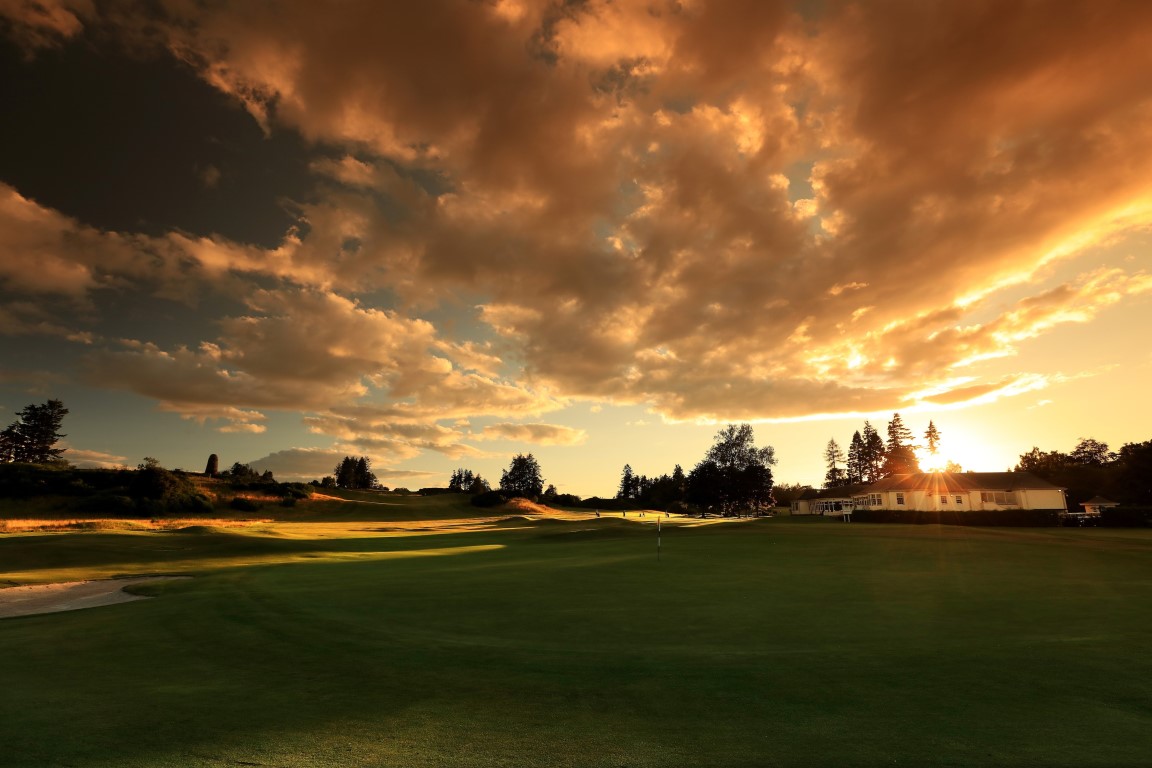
(1023,518)
(109,504)
(288,501)
(242,504)
(489,499)
(1125,517)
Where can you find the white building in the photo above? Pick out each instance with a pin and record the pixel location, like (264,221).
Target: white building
(938,491)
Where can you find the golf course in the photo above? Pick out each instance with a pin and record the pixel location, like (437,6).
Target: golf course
(428,632)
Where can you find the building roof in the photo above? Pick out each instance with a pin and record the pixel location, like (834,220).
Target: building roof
(1099,501)
(838,492)
(962,482)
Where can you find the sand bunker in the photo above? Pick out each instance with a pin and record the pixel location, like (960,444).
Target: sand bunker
(70,595)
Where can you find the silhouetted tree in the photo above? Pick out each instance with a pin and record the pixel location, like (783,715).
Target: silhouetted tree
(33,437)
(872,459)
(734,475)
(932,436)
(900,456)
(461,480)
(1091,453)
(213,466)
(855,469)
(833,455)
(786,493)
(522,478)
(1133,468)
(629,484)
(364,477)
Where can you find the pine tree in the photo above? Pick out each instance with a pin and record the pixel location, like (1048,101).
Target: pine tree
(345,473)
(932,436)
(362,475)
(833,455)
(874,452)
(679,483)
(899,435)
(33,437)
(856,453)
(900,458)
(627,484)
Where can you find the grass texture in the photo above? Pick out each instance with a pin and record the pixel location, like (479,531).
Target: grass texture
(543,643)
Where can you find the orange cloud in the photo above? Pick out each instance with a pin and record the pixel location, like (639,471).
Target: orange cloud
(722,211)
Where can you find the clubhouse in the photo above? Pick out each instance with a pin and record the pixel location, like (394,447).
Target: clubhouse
(937,491)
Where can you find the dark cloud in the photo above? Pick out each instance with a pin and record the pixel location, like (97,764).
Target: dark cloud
(719,210)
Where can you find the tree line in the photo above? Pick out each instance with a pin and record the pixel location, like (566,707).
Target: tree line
(871,458)
(1093,469)
(733,478)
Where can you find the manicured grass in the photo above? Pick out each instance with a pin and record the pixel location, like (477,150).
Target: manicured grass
(772,642)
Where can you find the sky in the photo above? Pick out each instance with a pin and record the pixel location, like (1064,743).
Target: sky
(439,234)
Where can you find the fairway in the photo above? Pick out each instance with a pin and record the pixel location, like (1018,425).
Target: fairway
(535,642)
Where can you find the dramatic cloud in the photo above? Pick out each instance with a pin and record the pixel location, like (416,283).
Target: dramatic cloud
(45,23)
(542,434)
(720,211)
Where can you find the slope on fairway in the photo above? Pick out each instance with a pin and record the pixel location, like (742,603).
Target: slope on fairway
(767,643)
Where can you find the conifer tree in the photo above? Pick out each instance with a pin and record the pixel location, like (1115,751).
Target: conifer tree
(833,455)
(932,436)
(856,452)
(33,437)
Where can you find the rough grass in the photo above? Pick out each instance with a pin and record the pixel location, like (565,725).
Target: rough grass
(469,644)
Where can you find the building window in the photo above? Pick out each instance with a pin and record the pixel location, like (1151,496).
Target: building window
(943,499)
(959,499)
(875,500)
(900,499)
(999,498)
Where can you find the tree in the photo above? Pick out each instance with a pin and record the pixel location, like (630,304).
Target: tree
(32,438)
(900,455)
(629,484)
(354,473)
(874,453)
(1043,464)
(478,485)
(933,438)
(1133,483)
(243,473)
(461,480)
(788,492)
(833,455)
(522,478)
(213,466)
(856,455)
(1091,453)
(363,476)
(734,475)
(898,434)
